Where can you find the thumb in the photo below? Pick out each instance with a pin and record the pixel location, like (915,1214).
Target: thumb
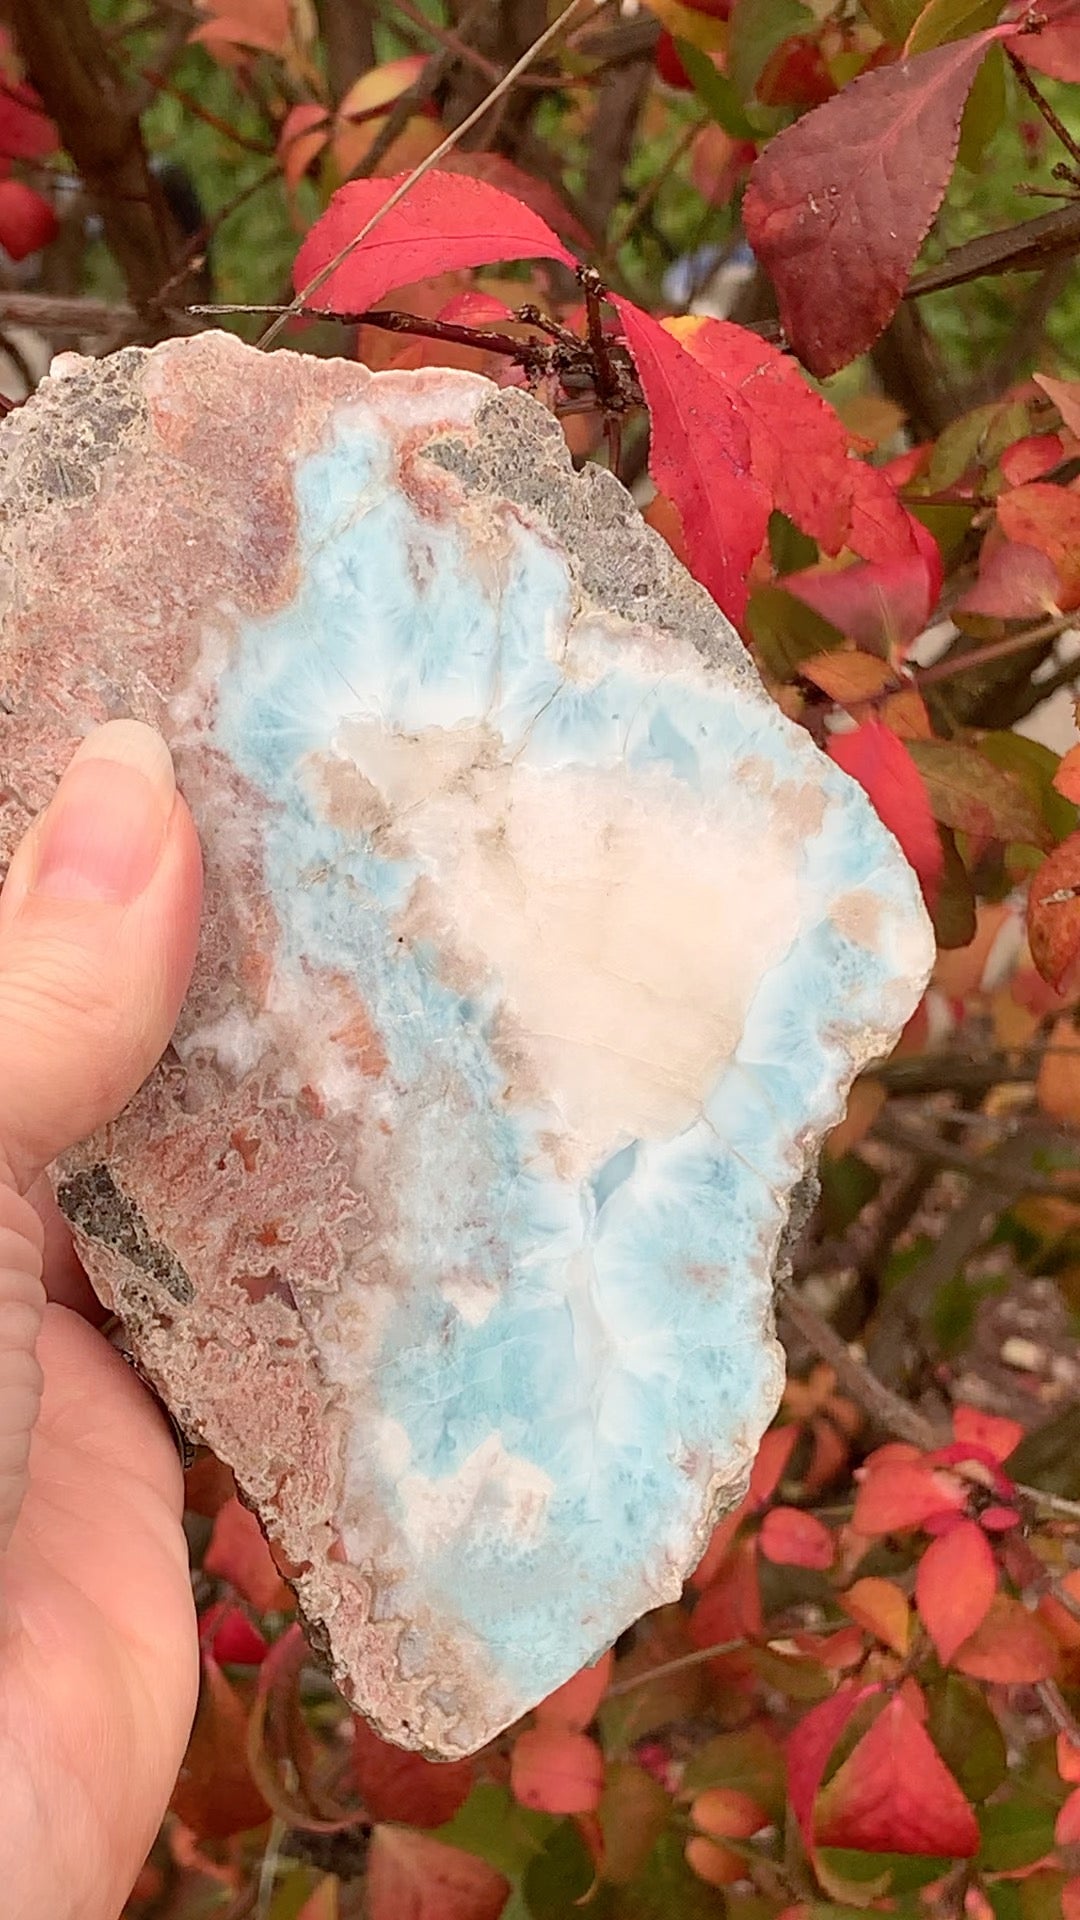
(98,929)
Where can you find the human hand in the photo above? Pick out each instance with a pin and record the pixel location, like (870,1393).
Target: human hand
(98,1655)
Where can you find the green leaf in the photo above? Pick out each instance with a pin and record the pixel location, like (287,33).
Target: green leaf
(667,1889)
(942,20)
(972,795)
(847,1186)
(789,547)
(785,631)
(1049,1457)
(953,911)
(1016,1832)
(716,92)
(1034,765)
(967,1736)
(755,30)
(985,111)
(748,1759)
(893,19)
(492,1825)
(560,1876)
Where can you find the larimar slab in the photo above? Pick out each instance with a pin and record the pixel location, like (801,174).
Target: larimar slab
(540,952)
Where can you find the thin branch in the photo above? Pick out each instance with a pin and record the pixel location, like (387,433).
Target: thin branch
(1018,249)
(968,658)
(498,92)
(668,1667)
(1042,106)
(885,1408)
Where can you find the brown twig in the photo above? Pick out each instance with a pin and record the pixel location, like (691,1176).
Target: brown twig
(668,1667)
(1042,106)
(885,1408)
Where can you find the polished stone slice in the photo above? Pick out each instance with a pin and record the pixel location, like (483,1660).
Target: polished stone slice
(540,952)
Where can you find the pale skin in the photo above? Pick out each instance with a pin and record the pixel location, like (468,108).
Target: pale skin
(98,1652)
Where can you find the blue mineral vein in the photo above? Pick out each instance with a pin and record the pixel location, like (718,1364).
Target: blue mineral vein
(623,1357)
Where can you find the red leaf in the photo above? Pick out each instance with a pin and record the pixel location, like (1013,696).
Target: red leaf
(1011,1646)
(1053,922)
(1047,517)
(27,222)
(556,1771)
(404,1786)
(894,1794)
(995,1433)
(1067,1824)
(305,131)
(901,1494)
(230,1636)
(790,1538)
(575,1703)
(239,1554)
(215,1794)
(446,220)
(495,170)
(1067,777)
(1055,49)
(26,132)
(730,1609)
(838,204)
(475,309)
(770,394)
(412,1877)
(954,1585)
(809,1747)
(1030,458)
(883,606)
(872,755)
(699,455)
(1015,582)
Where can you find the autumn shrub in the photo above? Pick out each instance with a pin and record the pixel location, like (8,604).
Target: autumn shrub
(869,1696)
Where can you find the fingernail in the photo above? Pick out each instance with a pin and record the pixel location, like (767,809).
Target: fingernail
(102,834)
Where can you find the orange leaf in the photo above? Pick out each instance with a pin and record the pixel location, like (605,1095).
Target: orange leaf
(1068,1758)
(1047,517)
(848,676)
(1011,1646)
(894,1794)
(1067,1824)
(1058,1079)
(899,1494)
(882,1608)
(1054,916)
(305,131)
(1067,777)
(395,1785)
(954,1585)
(239,1554)
(215,1794)
(791,1538)
(412,1877)
(730,1609)
(575,1703)
(993,1431)
(883,766)
(556,1771)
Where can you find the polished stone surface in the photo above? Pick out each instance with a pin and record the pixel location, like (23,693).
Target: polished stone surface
(540,952)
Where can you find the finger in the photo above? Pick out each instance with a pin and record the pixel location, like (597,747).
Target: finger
(98,927)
